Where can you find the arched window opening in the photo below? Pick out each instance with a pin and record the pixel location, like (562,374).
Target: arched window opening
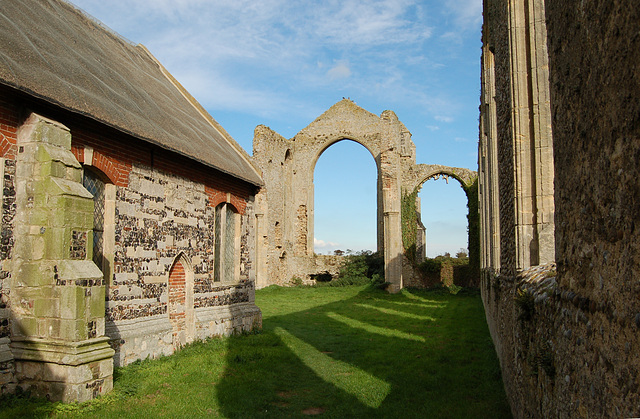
(443,211)
(345,199)
(104,194)
(96,187)
(227,227)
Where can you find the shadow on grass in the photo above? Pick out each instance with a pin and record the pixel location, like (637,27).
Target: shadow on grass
(331,352)
(364,354)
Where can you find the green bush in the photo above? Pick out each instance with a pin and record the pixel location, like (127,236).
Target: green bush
(359,269)
(430,266)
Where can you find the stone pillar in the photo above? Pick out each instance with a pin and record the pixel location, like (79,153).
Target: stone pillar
(391,203)
(58,294)
(393,250)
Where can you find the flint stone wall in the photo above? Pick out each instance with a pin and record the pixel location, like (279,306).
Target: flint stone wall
(162,209)
(567,337)
(159,216)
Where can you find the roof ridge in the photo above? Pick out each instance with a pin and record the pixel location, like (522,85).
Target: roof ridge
(94,20)
(203,112)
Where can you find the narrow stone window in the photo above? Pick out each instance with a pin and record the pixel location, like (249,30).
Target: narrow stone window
(92,182)
(226,233)
(104,193)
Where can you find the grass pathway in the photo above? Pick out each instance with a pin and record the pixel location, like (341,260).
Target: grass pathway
(327,352)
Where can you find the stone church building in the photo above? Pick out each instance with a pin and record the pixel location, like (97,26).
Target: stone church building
(126,208)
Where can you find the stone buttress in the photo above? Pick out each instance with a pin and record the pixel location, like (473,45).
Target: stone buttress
(58,295)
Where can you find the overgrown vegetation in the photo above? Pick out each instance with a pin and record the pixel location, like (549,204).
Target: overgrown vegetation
(408,216)
(360,268)
(473,228)
(340,352)
(446,270)
(541,357)
(525,301)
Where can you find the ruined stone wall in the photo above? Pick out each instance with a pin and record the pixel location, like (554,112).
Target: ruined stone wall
(496,37)
(566,336)
(286,202)
(285,205)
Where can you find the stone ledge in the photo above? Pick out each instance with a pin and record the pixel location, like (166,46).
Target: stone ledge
(5,350)
(60,352)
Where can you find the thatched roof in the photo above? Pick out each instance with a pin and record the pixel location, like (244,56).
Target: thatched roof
(53,51)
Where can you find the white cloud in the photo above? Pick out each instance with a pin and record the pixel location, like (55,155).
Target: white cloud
(467,13)
(321,244)
(371,23)
(442,118)
(340,71)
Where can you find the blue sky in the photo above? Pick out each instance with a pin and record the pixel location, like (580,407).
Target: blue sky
(282,63)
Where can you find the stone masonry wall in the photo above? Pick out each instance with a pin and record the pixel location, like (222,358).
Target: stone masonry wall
(567,336)
(163,207)
(159,215)
(594,57)
(496,34)
(8,126)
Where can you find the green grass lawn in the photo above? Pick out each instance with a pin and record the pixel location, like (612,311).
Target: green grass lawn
(332,352)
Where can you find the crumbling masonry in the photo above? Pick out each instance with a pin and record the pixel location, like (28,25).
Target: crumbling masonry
(284,207)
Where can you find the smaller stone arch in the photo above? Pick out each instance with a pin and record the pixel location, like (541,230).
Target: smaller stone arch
(468,180)
(420,173)
(180,308)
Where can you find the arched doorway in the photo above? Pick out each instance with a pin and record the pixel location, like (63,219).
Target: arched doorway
(180,302)
(443,212)
(465,201)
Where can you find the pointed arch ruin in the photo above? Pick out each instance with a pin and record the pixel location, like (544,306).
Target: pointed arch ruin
(285,206)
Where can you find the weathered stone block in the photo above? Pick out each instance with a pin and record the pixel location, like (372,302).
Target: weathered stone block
(74,174)
(34,274)
(24,326)
(72,302)
(29,370)
(46,307)
(53,168)
(48,131)
(97,302)
(53,237)
(73,330)
(57,186)
(39,217)
(49,328)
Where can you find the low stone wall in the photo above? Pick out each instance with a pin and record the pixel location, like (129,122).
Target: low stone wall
(151,337)
(305,268)
(561,353)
